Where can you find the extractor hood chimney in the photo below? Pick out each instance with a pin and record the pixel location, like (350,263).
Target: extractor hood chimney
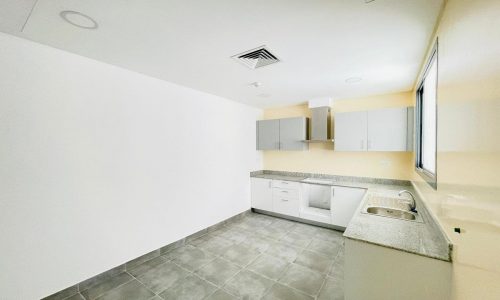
(321,125)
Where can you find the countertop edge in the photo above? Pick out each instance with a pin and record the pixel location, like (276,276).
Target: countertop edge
(447,259)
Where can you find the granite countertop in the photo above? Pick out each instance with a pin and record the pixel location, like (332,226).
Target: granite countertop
(422,238)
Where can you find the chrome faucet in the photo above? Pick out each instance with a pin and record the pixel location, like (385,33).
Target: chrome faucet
(412,203)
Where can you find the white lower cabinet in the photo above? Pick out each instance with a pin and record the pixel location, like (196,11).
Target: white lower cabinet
(292,199)
(286,201)
(277,196)
(262,193)
(345,201)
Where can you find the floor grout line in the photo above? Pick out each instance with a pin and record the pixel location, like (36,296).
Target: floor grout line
(142,283)
(100,295)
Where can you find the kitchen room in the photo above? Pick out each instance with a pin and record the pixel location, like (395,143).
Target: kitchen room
(249,150)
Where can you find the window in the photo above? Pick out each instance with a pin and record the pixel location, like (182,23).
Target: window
(426,121)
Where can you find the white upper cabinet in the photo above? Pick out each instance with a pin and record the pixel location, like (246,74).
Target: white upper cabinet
(350,131)
(389,129)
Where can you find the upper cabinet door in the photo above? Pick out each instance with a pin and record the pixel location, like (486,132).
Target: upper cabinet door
(350,131)
(268,135)
(388,129)
(293,131)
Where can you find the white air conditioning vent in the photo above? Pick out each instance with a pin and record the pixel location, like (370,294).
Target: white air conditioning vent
(256,58)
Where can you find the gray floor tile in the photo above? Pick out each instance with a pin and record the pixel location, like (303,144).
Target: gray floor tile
(269,266)
(235,235)
(200,240)
(283,251)
(162,276)
(337,269)
(266,245)
(131,290)
(219,231)
(306,229)
(297,239)
(248,285)
(324,247)
(221,295)
(314,261)
(263,220)
(303,279)
(168,248)
(191,288)
(216,245)
(281,292)
(241,254)
(192,258)
(259,243)
(275,233)
(146,266)
(329,235)
(333,289)
(141,259)
(218,271)
(75,297)
(285,224)
(247,224)
(97,290)
(104,276)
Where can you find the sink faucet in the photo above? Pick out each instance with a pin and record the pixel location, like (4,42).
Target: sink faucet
(413,204)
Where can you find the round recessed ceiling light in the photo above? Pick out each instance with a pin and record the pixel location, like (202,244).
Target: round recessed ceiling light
(353,80)
(255,84)
(78,19)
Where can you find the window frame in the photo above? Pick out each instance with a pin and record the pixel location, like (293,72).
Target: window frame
(428,176)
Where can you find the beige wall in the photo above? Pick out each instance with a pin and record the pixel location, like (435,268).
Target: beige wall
(468,162)
(322,159)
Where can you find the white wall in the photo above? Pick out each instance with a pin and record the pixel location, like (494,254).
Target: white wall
(99,165)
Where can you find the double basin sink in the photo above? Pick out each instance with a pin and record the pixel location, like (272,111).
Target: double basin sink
(392,207)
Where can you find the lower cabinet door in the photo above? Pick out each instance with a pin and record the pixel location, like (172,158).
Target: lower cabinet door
(262,193)
(286,205)
(345,201)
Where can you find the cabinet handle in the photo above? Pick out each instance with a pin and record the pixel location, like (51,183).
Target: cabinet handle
(284,191)
(285,200)
(362,144)
(284,182)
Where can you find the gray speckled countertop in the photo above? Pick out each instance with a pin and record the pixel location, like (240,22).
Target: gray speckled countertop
(423,238)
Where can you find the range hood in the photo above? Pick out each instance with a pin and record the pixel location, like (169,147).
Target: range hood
(321,124)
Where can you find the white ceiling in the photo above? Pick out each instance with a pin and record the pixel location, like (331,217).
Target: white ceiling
(321,42)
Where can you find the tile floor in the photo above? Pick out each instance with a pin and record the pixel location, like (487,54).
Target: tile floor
(255,257)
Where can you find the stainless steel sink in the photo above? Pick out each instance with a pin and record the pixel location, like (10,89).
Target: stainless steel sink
(391,206)
(390,212)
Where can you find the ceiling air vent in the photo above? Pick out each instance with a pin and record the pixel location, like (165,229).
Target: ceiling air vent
(256,58)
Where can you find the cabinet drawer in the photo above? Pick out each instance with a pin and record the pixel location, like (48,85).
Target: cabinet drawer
(288,193)
(286,206)
(286,184)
